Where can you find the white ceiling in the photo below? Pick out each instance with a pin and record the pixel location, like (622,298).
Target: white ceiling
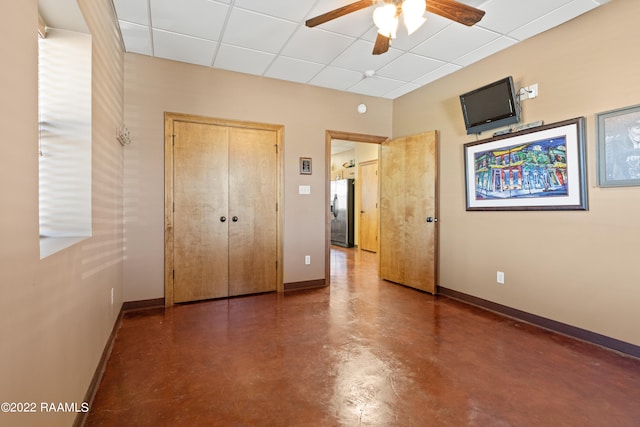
(268,38)
(339,146)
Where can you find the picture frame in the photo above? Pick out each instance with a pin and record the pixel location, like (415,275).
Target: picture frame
(305,165)
(541,168)
(618,147)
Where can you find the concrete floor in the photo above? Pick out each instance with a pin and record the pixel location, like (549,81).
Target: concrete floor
(364,352)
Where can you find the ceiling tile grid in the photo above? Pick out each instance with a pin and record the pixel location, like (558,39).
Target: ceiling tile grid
(269,38)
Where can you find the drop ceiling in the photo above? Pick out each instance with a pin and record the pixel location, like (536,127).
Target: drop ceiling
(268,38)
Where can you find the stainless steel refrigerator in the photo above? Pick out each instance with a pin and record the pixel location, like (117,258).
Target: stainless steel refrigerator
(341,205)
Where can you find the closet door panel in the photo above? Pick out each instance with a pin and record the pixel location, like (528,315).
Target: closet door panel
(200,218)
(252,211)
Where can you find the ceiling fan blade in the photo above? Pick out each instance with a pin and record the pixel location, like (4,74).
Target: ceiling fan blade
(455,11)
(337,13)
(382,44)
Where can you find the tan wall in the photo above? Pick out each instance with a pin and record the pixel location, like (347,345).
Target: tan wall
(154,86)
(55,314)
(578,268)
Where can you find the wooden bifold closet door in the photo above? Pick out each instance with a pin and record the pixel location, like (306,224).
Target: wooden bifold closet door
(222,219)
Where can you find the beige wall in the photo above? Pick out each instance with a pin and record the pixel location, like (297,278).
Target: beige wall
(154,86)
(56,314)
(578,268)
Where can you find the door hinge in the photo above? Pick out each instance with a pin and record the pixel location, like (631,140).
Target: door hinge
(276,145)
(276,206)
(173,274)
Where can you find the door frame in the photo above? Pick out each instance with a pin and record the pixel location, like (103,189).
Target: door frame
(169,118)
(329,136)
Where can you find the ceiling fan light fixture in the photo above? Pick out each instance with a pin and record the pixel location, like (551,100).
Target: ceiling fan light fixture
(413,13)
(413,23)
(385,18)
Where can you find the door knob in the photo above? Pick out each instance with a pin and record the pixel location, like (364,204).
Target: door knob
(432,219)
(234,219)
(223,218)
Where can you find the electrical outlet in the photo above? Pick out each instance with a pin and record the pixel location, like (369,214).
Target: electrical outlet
(307,259)
(528,92)
(500,277)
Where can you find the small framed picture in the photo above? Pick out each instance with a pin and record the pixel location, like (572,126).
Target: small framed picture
(305,165)
(619,147)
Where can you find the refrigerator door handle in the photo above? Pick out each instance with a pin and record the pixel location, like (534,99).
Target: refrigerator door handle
(334,206)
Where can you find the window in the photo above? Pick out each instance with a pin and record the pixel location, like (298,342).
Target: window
(64,103)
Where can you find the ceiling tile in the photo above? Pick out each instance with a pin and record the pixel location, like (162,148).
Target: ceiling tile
(292,10)
(197,18)
(504,16)
(436,74)
(403,90)
(409,67)
(358,57)
(242,60)
(454,41)
(553,19)
(135,11)
(256,31)
(376,86)
(485,51)
(293,70)
(336,78)
(137,38)
(183,48)
(314,44)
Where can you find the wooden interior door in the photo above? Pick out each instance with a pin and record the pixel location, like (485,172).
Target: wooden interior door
(253,211)
(408,211)
(368,223)
(200,210)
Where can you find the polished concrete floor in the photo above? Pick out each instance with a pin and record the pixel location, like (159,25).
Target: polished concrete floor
(362,353)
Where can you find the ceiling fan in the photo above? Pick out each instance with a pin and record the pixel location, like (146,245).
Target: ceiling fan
(386,15)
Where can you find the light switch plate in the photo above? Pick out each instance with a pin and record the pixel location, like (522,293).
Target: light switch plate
(304,189)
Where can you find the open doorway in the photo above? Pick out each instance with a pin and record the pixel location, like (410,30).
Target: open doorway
(352,160)
(408,244)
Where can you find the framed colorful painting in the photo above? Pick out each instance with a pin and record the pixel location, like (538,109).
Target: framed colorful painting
(541,168)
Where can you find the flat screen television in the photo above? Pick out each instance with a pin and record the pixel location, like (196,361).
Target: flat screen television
(491,106)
